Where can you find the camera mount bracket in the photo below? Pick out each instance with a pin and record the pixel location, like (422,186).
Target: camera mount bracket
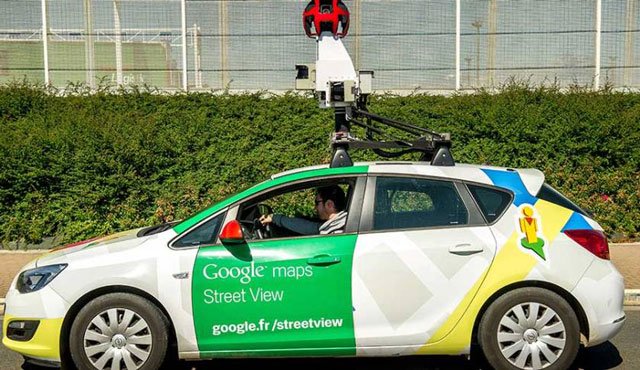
(337,85)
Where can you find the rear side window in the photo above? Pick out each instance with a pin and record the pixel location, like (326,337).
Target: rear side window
(552,195)
(492,202)
(405,203)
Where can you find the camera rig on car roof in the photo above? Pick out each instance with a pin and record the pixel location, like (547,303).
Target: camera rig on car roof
(337,85)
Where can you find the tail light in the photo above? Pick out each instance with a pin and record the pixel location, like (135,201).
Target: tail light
(592,240)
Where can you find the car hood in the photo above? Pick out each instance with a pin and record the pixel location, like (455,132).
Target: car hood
(92,247)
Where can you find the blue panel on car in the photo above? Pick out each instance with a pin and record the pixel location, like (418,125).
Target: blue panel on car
(511,180)
(577,222)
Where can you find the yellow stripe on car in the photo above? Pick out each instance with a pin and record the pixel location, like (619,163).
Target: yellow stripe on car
(454,336)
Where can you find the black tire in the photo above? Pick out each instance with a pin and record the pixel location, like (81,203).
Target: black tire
(145,334)
(559,325)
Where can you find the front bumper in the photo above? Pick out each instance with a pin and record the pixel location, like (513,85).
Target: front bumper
(46,308)
(43,346)
(43,363)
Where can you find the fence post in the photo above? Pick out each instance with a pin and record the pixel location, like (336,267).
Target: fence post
(457,45)
(358,29)
(197,58)
(183,11)
(45,44)
(491,40)
(89,51)
(222,30)
(118,43)
(630,24)
(596,80)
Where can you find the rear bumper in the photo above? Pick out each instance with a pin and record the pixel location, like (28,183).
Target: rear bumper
(606,331)
(600,292)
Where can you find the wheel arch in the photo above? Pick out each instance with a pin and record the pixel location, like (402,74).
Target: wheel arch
(573,302)
(65,354)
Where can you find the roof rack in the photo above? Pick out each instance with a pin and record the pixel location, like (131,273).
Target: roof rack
(435,147)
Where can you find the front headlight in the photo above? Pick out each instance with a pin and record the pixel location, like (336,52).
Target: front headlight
(37,278)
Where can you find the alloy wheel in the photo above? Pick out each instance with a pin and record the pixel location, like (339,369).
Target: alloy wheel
(531,336)
(117,338)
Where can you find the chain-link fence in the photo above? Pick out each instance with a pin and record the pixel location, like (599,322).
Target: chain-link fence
(435,45)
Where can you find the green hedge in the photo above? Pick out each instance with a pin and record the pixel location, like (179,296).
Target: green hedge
(81,165)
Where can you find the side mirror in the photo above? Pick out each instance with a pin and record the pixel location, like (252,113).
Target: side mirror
(232,233)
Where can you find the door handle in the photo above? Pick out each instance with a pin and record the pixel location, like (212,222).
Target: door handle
(323,260)
(465,249)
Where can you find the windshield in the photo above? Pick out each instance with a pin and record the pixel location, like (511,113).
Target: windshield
(187,222)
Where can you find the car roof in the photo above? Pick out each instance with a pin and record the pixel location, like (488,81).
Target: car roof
(532,179)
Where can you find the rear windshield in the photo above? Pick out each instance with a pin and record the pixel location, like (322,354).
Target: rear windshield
(552,195)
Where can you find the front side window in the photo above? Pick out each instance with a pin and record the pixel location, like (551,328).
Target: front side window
(204,234)
(405,203)
(311,208)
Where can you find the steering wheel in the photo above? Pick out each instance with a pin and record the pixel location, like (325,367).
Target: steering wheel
(262,231)
(248,229)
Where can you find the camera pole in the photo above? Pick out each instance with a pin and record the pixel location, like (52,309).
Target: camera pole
(337,85)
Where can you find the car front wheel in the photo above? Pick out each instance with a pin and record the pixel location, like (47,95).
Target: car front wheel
(529,328)
(119,331)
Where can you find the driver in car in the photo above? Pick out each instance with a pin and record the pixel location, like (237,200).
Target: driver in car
(330,205)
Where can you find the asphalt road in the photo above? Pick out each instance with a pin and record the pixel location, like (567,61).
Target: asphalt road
(623,352)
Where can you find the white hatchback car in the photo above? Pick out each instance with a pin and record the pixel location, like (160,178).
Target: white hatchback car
(429,260)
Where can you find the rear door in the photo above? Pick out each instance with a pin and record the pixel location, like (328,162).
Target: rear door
(423,246)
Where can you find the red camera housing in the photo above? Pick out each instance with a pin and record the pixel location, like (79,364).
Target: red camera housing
(326,16)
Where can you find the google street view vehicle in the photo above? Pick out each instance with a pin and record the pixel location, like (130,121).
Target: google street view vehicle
(432,260)
(433,257)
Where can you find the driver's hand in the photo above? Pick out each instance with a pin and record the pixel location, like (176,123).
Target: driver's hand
(266,219)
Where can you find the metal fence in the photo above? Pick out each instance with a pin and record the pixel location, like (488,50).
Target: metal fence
(434,45)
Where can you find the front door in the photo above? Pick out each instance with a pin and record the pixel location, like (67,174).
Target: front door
(288,295)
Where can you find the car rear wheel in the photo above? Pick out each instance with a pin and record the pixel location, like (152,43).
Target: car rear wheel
(119,331)
(529,328)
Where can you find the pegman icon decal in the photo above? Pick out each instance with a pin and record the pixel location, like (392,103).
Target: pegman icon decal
(529,227)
